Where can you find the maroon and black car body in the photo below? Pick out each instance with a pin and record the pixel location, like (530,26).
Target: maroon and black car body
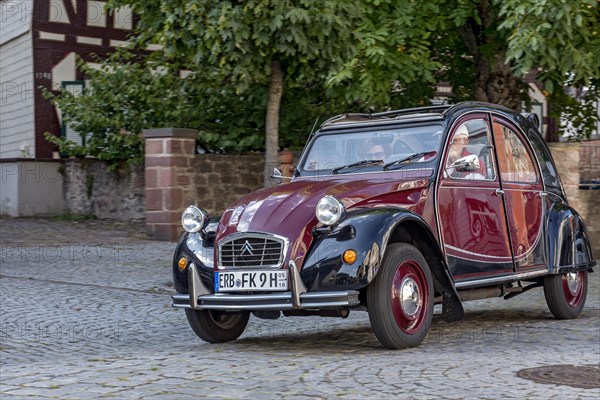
(391,213)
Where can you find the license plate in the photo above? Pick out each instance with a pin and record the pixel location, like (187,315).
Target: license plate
(239,281)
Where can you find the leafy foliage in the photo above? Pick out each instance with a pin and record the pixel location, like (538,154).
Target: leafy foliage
(484,48)
(249,44)
(123,97)
(335,55)
(235,123)
(394,49)
(561,41)
(240,38)
(577,112)
(559,38)
(130,93)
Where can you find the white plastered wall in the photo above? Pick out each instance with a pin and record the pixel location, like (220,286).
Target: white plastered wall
(31,188)
(17,123)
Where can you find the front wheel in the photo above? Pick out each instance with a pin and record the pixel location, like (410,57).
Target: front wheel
(565,294)
(215,326)
(400,298)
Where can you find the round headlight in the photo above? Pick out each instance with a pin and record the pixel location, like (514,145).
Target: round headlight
(194,219)
(329,210)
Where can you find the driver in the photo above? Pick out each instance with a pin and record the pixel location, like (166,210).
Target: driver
(378,151)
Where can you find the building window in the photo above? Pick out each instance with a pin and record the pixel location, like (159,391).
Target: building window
(76,88)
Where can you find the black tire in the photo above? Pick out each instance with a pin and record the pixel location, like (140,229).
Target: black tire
(215,326)
(397,326)
(565,294)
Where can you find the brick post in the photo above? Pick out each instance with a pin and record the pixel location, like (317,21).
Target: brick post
(169,159)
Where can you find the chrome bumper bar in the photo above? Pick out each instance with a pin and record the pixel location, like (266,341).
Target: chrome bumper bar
(200,297)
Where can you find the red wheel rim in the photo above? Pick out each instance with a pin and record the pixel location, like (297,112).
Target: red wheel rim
(410,297)
(572,285)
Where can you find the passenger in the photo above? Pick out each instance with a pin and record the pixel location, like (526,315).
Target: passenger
(457,150)
(458,145)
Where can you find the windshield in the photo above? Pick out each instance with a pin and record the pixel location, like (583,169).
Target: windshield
(333,151)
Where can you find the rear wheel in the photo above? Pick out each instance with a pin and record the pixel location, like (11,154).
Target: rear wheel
(565,294)
(215,326)
(400,298)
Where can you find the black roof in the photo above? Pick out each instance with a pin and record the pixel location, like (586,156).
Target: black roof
(435,112)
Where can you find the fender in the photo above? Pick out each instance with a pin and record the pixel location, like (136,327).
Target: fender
(198,250)
(569,246)
(368,231)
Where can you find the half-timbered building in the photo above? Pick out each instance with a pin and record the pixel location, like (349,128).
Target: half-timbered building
(39,44)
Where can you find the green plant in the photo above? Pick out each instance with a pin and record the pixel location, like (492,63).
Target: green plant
(251,45)
(484,48)
(577,110)
(328,57)
(131,93)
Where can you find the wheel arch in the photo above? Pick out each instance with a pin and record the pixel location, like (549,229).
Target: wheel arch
(569,247)
(414,230)
(192,247)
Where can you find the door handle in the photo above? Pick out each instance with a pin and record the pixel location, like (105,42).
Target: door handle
(499,192)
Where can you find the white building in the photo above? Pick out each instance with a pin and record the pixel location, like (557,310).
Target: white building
(39,43)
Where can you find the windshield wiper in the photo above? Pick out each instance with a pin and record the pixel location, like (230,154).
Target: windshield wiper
(408,158)
(363,163)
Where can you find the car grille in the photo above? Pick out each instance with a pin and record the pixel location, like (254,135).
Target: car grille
(250,251)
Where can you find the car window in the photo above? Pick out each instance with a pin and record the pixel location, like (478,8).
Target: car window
(329,151)
(515,162)
(470,138)
(549,172)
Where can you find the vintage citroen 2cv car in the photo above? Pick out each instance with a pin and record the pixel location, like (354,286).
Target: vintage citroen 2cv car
(391,213)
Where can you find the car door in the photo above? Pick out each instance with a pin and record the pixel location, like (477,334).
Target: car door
(522,185)
(470,207)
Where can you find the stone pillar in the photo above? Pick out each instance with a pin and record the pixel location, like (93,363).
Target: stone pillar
(169,159)
(573,161)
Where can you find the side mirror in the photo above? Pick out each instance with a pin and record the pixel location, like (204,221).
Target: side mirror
(278,175)
(468,163)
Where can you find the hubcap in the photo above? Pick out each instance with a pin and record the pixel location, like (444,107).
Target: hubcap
(410,296)
(573,287)
(573,282)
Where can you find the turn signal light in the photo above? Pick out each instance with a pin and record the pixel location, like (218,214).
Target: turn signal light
(349,256)
(182,263)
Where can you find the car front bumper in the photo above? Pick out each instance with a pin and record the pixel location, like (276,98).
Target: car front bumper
(200,298)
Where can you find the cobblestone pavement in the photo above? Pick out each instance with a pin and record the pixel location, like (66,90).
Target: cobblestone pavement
(85,313)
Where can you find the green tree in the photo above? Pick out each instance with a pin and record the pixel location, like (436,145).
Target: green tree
(373,54)
(129,93)
(558,38)
(123,97)
(483,47)
(251,43)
